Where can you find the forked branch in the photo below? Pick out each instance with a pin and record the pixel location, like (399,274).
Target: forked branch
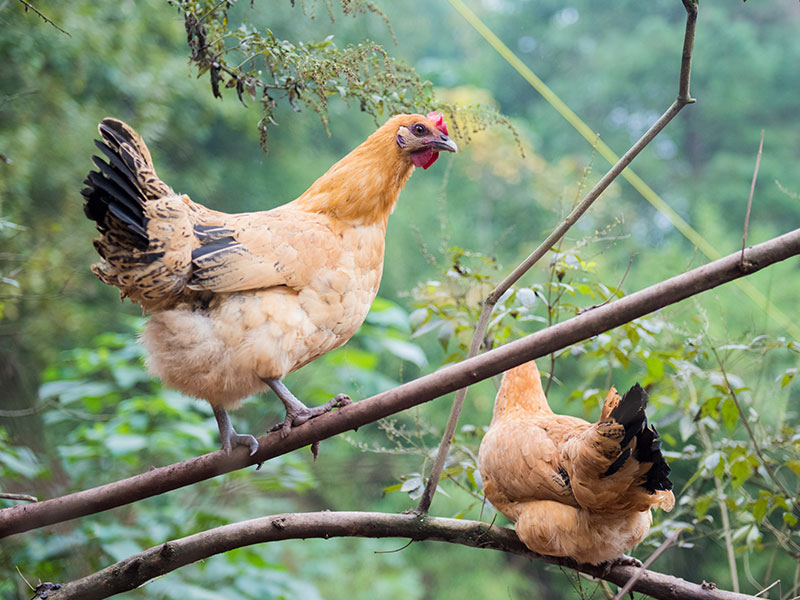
(684,98)
(136,570)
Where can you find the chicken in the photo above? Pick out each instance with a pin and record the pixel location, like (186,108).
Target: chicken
(238,301)
(573,489)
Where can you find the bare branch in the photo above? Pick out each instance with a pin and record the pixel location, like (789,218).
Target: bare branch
(28,6)
(488,306)
(18,519)
(20,497)
(752,191)
(158,560)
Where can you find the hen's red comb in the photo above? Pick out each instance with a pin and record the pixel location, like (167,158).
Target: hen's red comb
(439,121)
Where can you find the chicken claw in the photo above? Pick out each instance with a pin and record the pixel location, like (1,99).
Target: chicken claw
(298,413)
(229,436)
(621,561)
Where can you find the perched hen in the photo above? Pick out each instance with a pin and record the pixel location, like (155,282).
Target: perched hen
(576,489)
(237,301)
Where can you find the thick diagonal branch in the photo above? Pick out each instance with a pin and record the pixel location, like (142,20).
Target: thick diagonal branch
(134,571)
(18,519)
(559,232)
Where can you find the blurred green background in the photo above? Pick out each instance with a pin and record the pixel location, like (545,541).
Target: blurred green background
(79,410)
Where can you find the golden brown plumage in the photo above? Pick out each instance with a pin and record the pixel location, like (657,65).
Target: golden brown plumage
(238,301)
(573,488)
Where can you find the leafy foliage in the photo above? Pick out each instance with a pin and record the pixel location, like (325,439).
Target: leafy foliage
(261,66)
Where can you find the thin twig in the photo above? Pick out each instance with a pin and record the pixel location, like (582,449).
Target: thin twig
(650,560)
(769,587)
(23,412)
(724,517)
(480,330)
(616,290)
(752,190)
(22,497)
(29,6)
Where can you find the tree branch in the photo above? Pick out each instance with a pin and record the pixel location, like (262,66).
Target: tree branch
(18,519)
(158,560)
(28,6)
(559,232)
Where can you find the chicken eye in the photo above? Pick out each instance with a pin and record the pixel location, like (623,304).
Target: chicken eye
(419,129)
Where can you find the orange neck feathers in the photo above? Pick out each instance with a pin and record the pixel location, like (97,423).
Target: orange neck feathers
(521,389)
(362,188)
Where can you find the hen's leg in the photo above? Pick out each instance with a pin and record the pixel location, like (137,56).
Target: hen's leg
(298,413)
(229,436)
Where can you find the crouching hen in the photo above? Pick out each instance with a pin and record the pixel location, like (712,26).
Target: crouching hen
(573,488)
(237,301)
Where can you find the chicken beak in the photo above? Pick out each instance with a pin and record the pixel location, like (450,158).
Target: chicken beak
(445,143)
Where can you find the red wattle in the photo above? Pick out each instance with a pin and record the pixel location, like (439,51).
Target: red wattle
(424,158)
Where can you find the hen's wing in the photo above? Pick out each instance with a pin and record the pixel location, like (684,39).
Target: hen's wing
(260,250)
(519,461)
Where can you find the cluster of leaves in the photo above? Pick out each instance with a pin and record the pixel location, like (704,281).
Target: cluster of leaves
(260,65)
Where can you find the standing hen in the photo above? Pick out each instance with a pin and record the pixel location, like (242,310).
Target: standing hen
(237,301)
(576,489)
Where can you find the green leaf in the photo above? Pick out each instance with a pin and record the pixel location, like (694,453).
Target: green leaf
(417,318)
(760,507)
(621,357)
(445,333)
(790,519)
(701,506)
(392,488)
(526,297)
(406,351)
(24,464)
(730,414)
(794,465)
(119,444)
(712,461)
(387,313)
(788,376)
(740,472)
(655,367)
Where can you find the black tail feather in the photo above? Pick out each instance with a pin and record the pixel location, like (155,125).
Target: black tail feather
(130,196)
(630,413)
(113,197)
(648,449)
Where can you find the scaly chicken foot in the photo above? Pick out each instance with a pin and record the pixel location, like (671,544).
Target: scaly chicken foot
(620,561)
(229,436)
(298,413)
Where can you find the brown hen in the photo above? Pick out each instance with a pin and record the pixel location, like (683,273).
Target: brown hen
(237,301)
(573,488)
